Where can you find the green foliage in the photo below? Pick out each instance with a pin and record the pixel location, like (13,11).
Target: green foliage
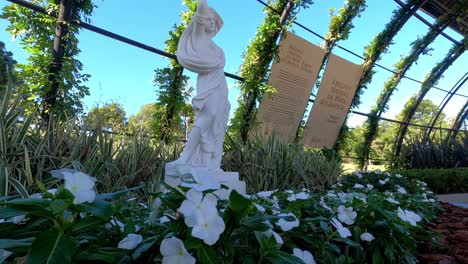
(109,116)
(36,32)
(257,59)
(419,47)
(437,152)
(172,84)
(267,164)
(7,64)
(50,228)
(441,181)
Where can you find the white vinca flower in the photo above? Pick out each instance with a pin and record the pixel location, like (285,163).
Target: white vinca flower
(357,174)
(367,237)
(271,232)
(201,214)
(174,252)
(398,175)
(265,194)
(130,242)
(81,185)
(346,215)
(287,225)
(409,216)
(370,186)
(391,200)
(383,182)
(343,231)
(358,186)
(304,255)
(116,223)
(324,205)
(401,190)
(260,208)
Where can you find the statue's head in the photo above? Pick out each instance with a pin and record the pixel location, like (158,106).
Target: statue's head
(213,23)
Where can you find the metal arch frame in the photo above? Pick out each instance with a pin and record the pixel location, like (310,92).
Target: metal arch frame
(457,123)
(230,75)
(444,103)
(454,53)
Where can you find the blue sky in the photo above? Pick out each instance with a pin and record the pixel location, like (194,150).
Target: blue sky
(124,73)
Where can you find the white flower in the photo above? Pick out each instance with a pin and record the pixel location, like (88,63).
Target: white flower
(18,219)
(4,255)
(130,242)
(174,252)
(260,208)
(370,186)
(277,237)
(302,196)
(367,237)
(81,185)
(359,175)
(431,200)
(391,200)
(265,194)
(196,206)
(383,182)
(346,215)
(324,205)
(291,198)
(422,183)
(358,186)
(305,256)
(209,228)
(287,225)
(398,175)
(164,219)
(2,220)
(378,172)
(401,190)
(409,216)
(115,222)
(201,214)
(289,191)
(343,231)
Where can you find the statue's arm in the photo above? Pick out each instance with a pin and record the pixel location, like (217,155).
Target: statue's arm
(202,7)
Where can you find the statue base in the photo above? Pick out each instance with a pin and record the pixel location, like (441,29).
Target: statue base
(202,178)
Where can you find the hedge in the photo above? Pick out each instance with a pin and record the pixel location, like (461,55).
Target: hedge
(441,181)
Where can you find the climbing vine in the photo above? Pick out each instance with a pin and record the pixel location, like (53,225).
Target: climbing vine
(36,33)
(431,79)
(420,46)
(257,59)
(172,83)
(374,51)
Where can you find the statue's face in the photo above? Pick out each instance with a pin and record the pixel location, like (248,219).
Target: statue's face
(210,25)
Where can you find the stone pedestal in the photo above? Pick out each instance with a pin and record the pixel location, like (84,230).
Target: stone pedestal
(203,179)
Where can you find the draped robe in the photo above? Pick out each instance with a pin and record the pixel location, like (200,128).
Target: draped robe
(198,53)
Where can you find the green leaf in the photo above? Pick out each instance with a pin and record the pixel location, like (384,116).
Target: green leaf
(280,257)
(207,255)
(52,247)
(58,206)
(377,257)
(191,243)
(348,242)
(19,187)
(87,224)
(108,255)
(3,181)
(99,208)
(143,247)
(238,203)
(14,243)
(107,196)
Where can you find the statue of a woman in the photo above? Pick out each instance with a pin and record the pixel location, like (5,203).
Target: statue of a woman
(197,52)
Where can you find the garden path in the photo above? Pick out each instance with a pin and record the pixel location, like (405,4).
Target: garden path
(458,199)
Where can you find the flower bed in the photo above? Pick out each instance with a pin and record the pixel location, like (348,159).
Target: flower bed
(366,217)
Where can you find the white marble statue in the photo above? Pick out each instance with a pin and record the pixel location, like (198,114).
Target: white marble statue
(198,53)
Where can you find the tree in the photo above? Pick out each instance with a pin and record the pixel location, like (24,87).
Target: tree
(51,78)
(7,64)
(110,116)
(257,59)
(171,81)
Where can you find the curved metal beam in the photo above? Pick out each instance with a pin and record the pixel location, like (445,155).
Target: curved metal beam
(457,123)
(443,104)
(431,79)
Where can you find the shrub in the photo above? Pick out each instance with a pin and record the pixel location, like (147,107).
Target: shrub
(441,181)
(355,222)
(267,164)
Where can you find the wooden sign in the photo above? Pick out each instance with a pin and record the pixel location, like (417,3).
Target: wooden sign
(333,101)
(293,77)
